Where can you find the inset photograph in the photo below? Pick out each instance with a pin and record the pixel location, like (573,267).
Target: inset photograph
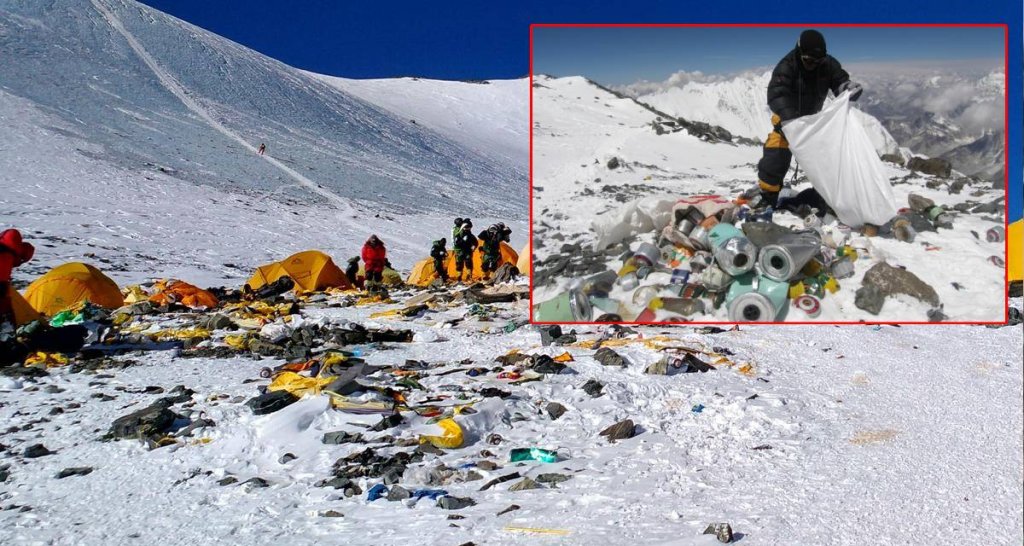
(769,174)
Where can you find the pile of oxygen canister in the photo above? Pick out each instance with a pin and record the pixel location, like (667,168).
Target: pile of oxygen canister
(702,262)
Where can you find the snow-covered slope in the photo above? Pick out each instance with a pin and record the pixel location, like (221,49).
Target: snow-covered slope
(137,226)
(154,93)
(490,117)
(581,196)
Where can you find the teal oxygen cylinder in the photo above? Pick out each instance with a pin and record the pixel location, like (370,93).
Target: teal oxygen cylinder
(756,298)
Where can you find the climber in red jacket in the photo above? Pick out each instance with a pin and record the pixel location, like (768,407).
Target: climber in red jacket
(374,256)
(13,252)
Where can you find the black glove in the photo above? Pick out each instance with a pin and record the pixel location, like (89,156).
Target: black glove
(854,88)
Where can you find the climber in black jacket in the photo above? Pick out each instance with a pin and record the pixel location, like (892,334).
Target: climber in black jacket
(799,85)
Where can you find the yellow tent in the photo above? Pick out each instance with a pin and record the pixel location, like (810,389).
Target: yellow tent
(423,272)
(311,270)
(23,311)
(69,284)
(390,277)
(1014,257)
(523,264)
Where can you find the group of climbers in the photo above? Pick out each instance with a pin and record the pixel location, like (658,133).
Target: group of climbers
(465,244)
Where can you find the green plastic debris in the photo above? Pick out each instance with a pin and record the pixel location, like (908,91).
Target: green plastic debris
(533,454)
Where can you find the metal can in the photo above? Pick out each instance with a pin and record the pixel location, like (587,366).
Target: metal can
(808,304)
(648,252)
(996,234)
(692,290)
(680,276)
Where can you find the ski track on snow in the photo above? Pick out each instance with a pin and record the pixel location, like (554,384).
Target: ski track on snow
(179,91)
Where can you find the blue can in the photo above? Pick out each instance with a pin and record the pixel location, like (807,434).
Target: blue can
(680,276)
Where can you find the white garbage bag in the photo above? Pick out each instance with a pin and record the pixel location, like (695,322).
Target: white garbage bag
(836,153)
(639,216)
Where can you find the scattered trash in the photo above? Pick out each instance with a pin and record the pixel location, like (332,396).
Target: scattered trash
(722,531)
(533,454)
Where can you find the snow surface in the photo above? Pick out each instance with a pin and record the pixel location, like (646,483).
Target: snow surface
(865,435)
(579,127)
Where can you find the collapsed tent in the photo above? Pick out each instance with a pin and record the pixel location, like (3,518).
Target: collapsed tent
(841,163)
(311,270)
(423,272)
(175,291)
(23,311)
(72,283)
(523,264)
(389,276)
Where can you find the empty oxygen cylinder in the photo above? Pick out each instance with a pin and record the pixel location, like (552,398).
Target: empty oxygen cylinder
(783,259)
(648,252)
(734,253)
(754,298)
(569,306)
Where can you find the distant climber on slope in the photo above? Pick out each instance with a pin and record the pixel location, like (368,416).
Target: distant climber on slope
(465,244)
(13,253)
(439,253)
(798,87)
(263,148)
(374,256)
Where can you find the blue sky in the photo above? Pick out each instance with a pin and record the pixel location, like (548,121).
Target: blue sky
(623,55)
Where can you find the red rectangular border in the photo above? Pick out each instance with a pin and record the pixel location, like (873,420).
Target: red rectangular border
(1006,175)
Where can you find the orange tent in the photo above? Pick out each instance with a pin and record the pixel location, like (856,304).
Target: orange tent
(72,283)
(423,272)
(523,264)
(175,291)
(23,311)
(311,270)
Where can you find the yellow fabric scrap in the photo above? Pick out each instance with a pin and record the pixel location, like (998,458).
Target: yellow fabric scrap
(331,359)
(181,333)
(237,341)
(370,300)
(564,357)
(450,438)
(47,360)
(299,385)
(134,294)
